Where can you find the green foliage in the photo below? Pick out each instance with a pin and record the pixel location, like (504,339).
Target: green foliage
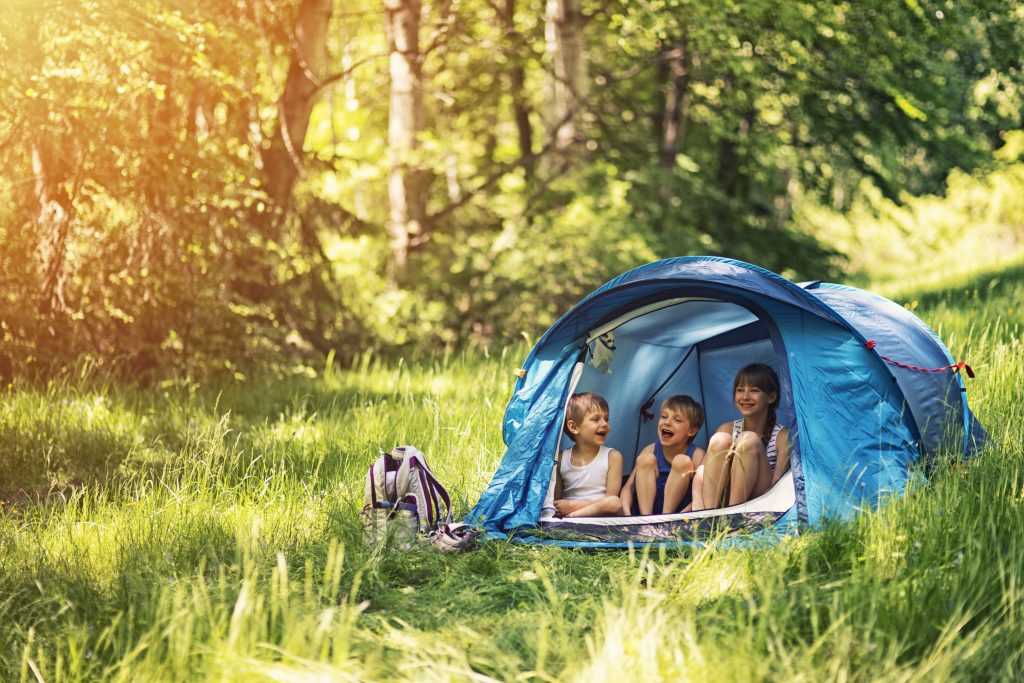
(159,184)
(925,241)
(226,545)
(137,235)
(529,274)
(803,95)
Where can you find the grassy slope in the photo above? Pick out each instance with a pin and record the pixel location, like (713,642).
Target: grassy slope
(219,541)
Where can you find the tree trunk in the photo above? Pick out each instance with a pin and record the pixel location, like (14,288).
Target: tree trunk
(282,162)
(51,173)
(727,175)
(565,46)
(661,77)
(517,85)
(730,159)
(677,61)
(406,195)
(53,222)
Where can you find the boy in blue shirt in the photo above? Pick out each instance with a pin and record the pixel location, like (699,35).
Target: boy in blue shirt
(660,482)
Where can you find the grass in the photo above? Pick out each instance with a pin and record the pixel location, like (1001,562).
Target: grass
(212,534)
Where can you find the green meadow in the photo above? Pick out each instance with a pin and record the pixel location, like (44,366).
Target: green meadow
(245,246)
(177,533)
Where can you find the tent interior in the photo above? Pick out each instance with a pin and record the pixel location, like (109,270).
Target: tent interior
(690,346)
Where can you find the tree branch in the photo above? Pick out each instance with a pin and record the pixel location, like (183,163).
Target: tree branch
(524,161)
(322,83)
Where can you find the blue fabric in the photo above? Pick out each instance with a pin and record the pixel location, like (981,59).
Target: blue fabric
(856,422)
(658,281)
(516,493)
(664,466)
(647,367)
(664,469)
(855,447)
(784,526)
(660,277)
(936,400)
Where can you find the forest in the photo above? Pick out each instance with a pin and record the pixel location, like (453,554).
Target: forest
(222,189)
(246,245)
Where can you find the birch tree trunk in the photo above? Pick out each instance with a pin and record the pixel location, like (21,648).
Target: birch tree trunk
(406,195)
(564,37)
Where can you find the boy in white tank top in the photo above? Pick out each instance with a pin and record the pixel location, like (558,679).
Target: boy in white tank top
(588,476)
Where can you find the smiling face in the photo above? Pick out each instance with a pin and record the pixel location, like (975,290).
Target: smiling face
(756,390)
(592,429)
(674,428)
(753,400)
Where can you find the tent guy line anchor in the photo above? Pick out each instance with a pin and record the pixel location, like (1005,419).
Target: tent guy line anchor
(955,366)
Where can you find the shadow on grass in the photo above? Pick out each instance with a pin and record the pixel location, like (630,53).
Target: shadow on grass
(984,285)
(65,437)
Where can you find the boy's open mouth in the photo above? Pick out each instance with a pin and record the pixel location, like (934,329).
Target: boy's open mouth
(667,434)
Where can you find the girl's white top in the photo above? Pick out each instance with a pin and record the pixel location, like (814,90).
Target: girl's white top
(585,481)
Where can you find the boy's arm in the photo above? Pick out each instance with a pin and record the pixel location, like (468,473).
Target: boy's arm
(698,457)
(564,506)
(558,475)
(613,484)
(781,455)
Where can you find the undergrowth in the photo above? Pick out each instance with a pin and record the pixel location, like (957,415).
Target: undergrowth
(212,534)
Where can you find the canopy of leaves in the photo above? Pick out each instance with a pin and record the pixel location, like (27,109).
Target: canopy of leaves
(136,230)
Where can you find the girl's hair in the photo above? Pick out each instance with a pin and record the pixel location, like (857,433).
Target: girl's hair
(686,405)
(580,405)
(762,377)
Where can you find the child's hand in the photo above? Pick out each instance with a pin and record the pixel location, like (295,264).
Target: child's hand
(562,508)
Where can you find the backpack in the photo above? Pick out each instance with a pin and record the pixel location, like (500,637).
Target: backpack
(402,498)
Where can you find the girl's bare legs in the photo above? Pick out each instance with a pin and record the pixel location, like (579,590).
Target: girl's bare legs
(678,483)
(646,483)
(751,475)
(717,462)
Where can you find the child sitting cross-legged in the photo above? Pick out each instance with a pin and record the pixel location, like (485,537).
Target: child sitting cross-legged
(660,482)
(588,476)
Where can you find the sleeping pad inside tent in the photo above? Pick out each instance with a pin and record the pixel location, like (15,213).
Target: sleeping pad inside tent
(867,391)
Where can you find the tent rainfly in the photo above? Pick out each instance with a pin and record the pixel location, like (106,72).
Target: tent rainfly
(868,390)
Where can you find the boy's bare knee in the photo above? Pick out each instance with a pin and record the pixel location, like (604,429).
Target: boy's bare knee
(681,464)
(611,506)
(646,461)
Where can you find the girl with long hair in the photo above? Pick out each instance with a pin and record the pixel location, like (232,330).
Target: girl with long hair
(745,457)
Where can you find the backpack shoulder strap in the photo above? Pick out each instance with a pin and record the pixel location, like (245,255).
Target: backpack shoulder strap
(432,500)
(439,495)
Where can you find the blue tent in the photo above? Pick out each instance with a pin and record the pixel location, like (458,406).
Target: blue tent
(859,416)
